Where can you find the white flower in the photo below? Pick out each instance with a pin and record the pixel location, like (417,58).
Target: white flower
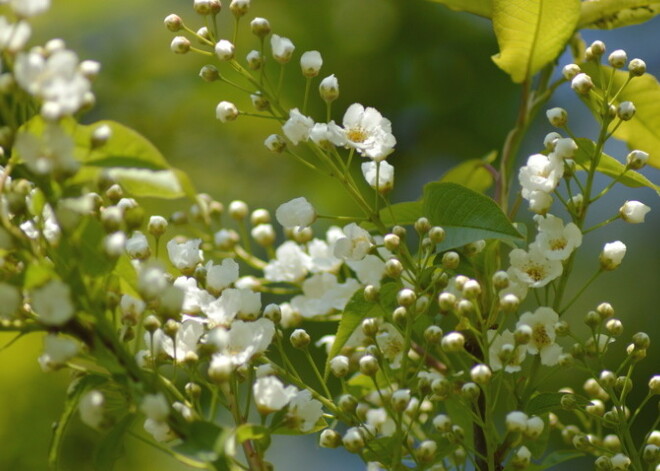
(368,132)
(298,127)
(533,267)
(516,287)
(633,212)
(186,255)
(322,294)
(155,407)
(555,240)
(291,263)
(219,277)
(226,111)
(539,201)
(159,430)
(91,408)
(131,307)
(542,322)
(51,151)
(329,88)
(310,63)
(385,174)
(305,411)
(355,244)
(620,462)
(14,36)
(541,173)
(297,212)
(270,395)
(195,300)
(321,256)
(328,134)
(244,340)
(509,358)
(52,303)
(27,8)
(516,421)
(232,302)
(582,83)
(565,148)
(186,340)
(56,80)
(151,281)
(224,50)
(137,246)
(612,255)
(57,351)
(380,421)
(282,48)
(391,343)
(370,270)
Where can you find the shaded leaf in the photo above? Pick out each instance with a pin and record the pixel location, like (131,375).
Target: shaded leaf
(610,14)
(76,389)
(111,447)
(478,7)
(404,214)
(555,458)
(465,215)
(610,166)
(532,33)
(204,442)
(551,401)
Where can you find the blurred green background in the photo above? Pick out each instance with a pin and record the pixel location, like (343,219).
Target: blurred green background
(426,68)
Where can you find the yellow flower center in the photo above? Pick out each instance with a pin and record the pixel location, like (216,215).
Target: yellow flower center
(357,135)
(535,271)
(558,244)
(540,336)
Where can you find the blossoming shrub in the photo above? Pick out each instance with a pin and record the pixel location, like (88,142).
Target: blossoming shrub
(449,316)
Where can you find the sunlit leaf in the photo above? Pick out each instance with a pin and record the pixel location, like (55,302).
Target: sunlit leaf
(478,7)
(471,174)
(532,33)
(610,14)
(610,166)
(465,215)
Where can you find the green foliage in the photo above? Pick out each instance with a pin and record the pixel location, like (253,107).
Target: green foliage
(478,7)
(205,441)
(532,33)
(465,215)
(610,14)
(471,173)
(610,166)
(111,447)
(551,401)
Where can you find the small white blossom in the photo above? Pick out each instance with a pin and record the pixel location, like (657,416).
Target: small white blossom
(298,127)
(226,111)
(509,358)
(185,341)
(612,255)
(533,267)
(296,213)
(327,135)
(516,421)
(582,83)
(271,395)
(138,246)
(52,303)
(224,50)
(322,294)
(329,88)
(368,132)
(28,8)
(186,255)
(555,240)
(57,351)
(305,411)
(159,430)
(542,322)
(385,174)
(310,63)
(155,407)
(633,212)
(219,277)
(14,36)
(541,173)
(232,302)
(282,48)
(355,244)
(91,407)
(291,263)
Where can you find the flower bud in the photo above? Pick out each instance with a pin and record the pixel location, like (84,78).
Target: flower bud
(637,159)
(329,88)
(260,27)
(353,440)
(238,210)
(509,303)
(614,327)
(612,255)
(339,366)
(239,7)
(592,319)
(275,143)
(570,71)
(450,260)
(173,22)
(637,67)
(442,423)
(522,458)
(393,268)
(406,297)
(368,365)
(626,110)
(620,462)
(224,50)
(500,280)
(254,60)
(400,399)
(633,212)
(370,293)
(597,48)
(282,48)
(425,452)
(470,391)
(618,58)
(330,439)
(226,111)
(300,339)
(310,63)
(516,421)
(481,374)
(180,45)
(347,403)
(433,334)
(582,84)
(558,117)
(654,384)
(400,315)
(453,342)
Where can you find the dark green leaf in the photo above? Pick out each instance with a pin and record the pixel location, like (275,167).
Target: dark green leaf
(111,447)
(551,401)
(465,215)
(204,442)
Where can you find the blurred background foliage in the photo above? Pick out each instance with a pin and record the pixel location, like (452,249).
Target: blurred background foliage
(423,66)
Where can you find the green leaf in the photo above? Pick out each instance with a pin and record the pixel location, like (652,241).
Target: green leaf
(532,33)
(555,458)
(465,215)
(111,447)
(254,432)
(403,214)
(478,7)
(355,311)
(611,167)
(204,442)
(643,130)
(551,401)
(74,393)
(610,14)
(471,174)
